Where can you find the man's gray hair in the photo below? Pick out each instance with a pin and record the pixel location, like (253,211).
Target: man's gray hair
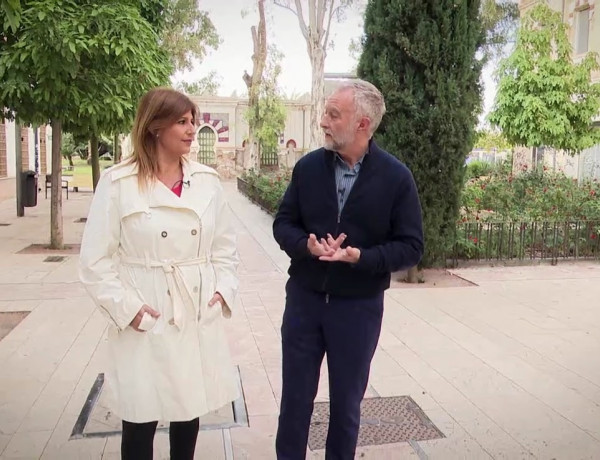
(368,101)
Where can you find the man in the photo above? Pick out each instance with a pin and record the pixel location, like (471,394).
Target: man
(350,216)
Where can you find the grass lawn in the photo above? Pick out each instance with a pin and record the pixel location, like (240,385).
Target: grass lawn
(82,172)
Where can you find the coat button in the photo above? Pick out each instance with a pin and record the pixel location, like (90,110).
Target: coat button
(163,234)
(194,232)
(195,288)
(168,292)
(172,321)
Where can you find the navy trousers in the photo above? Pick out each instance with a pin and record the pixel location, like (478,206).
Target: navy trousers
(347,330)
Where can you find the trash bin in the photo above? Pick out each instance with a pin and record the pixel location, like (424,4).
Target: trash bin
(29,188)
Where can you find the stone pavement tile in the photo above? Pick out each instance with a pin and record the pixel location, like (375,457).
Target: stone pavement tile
(258,394)
(29,291)
(210,445)
(398,451)
(457,444)
(513,347)
(18,305)
(4,440)
(553,393)
(553,442)
(112,449)
(48,408)
(539,429)
(257,441)
(66,272)
(534,272)
(383,365)
(26,445)
(402,385)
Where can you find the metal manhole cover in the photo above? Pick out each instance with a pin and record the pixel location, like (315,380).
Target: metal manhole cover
(382,421)
(54,259)
(9,320)
(81,220)
(96,420)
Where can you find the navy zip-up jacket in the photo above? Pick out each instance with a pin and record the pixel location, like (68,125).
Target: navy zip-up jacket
(382,218)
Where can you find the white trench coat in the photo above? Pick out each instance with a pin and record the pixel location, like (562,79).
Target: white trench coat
(171,253)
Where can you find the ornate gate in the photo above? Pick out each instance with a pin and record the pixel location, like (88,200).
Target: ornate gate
(206,151)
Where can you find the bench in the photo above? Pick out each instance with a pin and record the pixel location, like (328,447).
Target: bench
(64,184)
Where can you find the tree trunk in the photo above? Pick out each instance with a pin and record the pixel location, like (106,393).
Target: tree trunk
(317,96)
(412,276)
(56,220)
(116,149)
(95,159)
(259,58)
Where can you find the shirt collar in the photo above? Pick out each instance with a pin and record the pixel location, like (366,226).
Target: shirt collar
(340,161)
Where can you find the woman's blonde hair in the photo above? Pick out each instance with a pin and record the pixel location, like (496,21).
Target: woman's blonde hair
(158,109)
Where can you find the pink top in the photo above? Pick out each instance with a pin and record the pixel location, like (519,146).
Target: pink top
(178,188)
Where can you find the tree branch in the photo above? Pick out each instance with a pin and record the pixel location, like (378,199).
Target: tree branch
(301,21)
(331,13)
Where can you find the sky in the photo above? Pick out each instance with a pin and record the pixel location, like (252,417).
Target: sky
(234,54)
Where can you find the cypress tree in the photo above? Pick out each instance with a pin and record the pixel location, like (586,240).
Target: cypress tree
(422,55)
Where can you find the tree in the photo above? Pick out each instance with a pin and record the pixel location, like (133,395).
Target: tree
(78,64)
(422,56)
(487,139)
(253,82)
(316,31)
(186,32)
(269,114)
(543,98)
(499,19)
(206,86)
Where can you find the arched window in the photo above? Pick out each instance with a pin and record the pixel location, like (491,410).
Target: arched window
(206,140)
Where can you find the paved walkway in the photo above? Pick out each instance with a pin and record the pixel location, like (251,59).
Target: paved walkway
(506,369)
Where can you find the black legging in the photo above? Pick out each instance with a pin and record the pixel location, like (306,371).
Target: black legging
(138,438)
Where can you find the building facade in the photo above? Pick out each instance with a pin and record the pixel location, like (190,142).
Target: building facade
(35,154)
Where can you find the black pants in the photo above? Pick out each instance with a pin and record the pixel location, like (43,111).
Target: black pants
(138,439)
(347,331)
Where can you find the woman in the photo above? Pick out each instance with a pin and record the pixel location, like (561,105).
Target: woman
(158,257)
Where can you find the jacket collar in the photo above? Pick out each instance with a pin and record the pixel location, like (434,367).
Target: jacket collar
(190,168)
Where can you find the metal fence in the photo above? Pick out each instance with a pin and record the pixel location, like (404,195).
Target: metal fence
(268,159)
(501,241)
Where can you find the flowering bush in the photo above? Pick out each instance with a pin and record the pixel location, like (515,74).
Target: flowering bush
(529,196)
(267,188)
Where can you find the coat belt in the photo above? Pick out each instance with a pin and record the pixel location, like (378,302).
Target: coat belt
(181,295)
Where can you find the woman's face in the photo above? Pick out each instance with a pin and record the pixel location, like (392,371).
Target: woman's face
(177,139)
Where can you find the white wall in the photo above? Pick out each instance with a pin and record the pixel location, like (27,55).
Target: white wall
(10,149)
(48,149)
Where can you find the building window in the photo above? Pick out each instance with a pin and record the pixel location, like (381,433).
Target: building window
(206,141)
(582,31)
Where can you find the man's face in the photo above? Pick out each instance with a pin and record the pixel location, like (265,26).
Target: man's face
(339,120)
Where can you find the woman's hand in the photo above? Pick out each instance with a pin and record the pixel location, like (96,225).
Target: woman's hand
(216,298)
(135,323)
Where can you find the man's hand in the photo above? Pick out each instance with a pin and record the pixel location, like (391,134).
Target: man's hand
(324,247)
(348,254)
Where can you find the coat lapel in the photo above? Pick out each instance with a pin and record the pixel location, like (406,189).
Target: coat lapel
(197,194)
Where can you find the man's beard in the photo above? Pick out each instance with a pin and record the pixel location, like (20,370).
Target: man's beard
(337,144)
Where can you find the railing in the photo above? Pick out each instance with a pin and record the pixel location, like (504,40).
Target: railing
(489,241)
